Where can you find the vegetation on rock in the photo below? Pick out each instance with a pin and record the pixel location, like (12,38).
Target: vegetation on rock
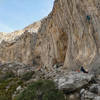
(8,84)
(27,76)
(41,90)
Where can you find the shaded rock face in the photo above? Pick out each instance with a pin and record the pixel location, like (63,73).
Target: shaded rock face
(69,35)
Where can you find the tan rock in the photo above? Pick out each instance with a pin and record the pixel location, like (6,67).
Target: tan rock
(70,35)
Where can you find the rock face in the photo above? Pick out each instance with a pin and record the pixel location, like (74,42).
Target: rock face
(19,46)
(69,35)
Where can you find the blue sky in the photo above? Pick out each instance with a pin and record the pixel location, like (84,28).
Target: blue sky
(17,14)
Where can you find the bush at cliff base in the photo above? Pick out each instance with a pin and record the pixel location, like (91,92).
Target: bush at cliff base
(3,98)
(41,90)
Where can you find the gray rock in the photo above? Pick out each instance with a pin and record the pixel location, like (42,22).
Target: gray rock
(18,88)
(73,81)
(87,95)
(97,98)
(17,68)
(73,96)
(95,88)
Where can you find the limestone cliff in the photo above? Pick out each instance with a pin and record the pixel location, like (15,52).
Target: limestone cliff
(19,46)
(69,35)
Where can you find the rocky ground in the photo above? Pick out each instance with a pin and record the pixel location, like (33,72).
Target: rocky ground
(75,85)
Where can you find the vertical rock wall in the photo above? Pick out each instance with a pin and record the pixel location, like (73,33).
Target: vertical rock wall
(69,35)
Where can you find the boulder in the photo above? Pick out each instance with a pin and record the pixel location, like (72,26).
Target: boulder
(97,98)
(87,95)
(95,88)
(19,88)
(73,81)
(73,96)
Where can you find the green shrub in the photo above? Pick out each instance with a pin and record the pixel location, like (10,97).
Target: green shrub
(41,90)
(7,75)
(3,98)
(54,94)
(7,92)
(8,87)
(27,76)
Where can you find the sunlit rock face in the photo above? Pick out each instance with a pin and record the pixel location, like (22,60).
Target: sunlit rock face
(69,35)
(19,46)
